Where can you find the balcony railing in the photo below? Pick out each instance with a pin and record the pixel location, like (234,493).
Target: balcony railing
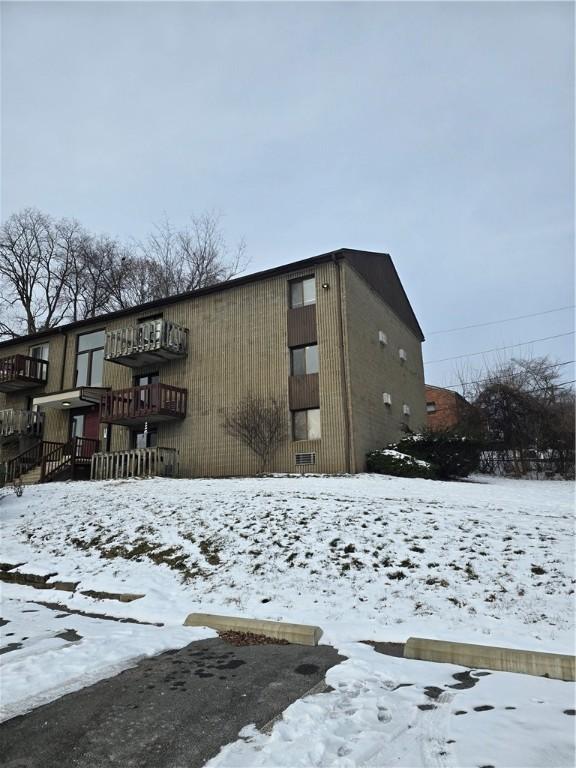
(22,372)
(17,423)
(139,462)
(146,343)
(150,403)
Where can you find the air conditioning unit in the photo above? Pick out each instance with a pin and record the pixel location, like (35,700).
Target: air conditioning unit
(305,458)
(406,410)
(382,338)
(386,398)
(402,354)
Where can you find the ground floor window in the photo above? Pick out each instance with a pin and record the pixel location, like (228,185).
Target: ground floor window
(306,424)
(145,438)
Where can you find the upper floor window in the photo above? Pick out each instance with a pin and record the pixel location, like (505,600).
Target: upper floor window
(302,292)
(431,407)
(304,360)
(306,424)
(90,359)
(39,351)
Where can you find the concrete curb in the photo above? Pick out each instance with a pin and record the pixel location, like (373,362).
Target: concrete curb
(300,634)
(554,665)
(10,574)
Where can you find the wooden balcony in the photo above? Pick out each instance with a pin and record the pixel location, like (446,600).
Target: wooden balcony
(16,423)
(22,372)
(150,403)
(147,343)
(139,462)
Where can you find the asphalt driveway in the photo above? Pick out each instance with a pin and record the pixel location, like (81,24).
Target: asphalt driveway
(171,711)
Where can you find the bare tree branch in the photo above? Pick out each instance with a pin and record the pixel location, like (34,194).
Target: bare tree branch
(260,424)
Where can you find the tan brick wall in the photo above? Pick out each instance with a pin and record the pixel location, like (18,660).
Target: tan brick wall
(375,369)
(238,344)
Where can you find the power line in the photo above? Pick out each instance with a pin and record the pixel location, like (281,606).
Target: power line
(481,381)
(499,349)
(497,322)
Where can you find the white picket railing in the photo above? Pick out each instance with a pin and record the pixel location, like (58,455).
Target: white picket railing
(148,336)
(137,462)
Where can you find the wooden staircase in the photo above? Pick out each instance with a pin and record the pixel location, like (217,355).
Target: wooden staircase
(48,461)
(32,477)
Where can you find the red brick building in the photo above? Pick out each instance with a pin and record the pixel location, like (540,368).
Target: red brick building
(444,408)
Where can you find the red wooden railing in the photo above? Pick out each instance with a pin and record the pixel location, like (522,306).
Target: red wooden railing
(23,367)
(140,403)
(76,451)
(28,459)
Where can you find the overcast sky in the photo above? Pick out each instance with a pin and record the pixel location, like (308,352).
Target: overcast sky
(441,133)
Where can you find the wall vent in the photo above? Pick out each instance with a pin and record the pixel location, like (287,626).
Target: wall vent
(382,338)
(402,354)
(386,398)
(305,458)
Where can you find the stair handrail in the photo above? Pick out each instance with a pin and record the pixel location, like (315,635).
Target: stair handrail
(14,466)
(76,451)
(65,452)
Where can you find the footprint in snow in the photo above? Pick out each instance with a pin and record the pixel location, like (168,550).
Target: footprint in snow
(384,715)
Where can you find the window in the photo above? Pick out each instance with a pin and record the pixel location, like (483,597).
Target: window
(90,359)
(302,292)
(76,425)
(304,360)
(39,352)
(147,378)
(431,407)
(147,438)
(306,424)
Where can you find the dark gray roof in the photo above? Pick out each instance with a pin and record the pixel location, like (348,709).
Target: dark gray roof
(375,268)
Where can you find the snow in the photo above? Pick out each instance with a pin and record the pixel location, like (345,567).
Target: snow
(368,721)
(47,665)
(366,557)
(402,457)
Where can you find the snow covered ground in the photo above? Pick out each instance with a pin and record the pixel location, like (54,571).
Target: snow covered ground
(365,557)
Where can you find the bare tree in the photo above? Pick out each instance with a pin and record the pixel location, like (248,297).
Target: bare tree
(195,256)
(88,287)
(54,270)
(524,412)
(260,424)
(36,256)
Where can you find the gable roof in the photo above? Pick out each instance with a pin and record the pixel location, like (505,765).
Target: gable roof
(375,268)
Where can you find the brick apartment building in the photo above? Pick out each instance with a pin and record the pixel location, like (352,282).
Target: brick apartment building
(445,409)
(145,390)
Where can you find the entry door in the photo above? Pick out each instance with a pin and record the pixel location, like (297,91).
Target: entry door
(92,423)
(85,422)
(148,398)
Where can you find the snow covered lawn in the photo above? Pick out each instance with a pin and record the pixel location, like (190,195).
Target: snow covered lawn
(365,557)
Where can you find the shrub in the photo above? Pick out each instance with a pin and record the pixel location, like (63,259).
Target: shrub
(392,462)
(450,454)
